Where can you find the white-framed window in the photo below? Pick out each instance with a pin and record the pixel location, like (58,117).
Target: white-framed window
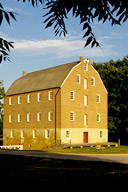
(98,98)
(101,134)
(85,66)
(10,100)
(72,95)
(68,135)
(98,117)
(12,134)
(72,116)
(47,134)
(78,79)
(22,134)
(50,95)
(85,120)
(50,116)
(85,83)
(19,118)
(29,98)
(10,118)
(39,97)
(28,117)
(39,116)
(19,99)
(34,133)
(85,100)
(93,81)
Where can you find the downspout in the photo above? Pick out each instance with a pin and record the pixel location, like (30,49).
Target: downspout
(55,113)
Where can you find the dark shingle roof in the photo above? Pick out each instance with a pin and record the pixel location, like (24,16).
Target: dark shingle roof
(40,80)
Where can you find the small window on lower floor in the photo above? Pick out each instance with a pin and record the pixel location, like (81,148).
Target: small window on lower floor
(22,134)
(34,133)
(12,134)
(46,134)
(68,134)
(101,134)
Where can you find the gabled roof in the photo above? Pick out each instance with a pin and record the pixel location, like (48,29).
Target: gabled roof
(40,80)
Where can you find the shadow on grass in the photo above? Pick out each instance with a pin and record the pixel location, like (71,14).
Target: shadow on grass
(64,175)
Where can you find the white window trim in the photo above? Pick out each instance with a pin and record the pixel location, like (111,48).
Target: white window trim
(85,83)
(85,100)
(19,118)
(10,119)
(34,134)
(29,98)
(39,116)
(50,95)
(19,99)
(92,81)
(72,116)
(72,95)
(39,97)
(50,116)
(46,134)
(10,100)
(85,66)
(98,117)
(78,78)
(98,98)
(85,119)
(101,134)
(28,117)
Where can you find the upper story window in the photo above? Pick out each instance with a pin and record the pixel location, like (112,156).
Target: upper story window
(85,120)
(39,116)
(19,118)
(98,98)
(50,95)
(72,116)
(10,118)
(19,99)
(10,101)
(29,98)
(85,83)
(85,66)
(50,116)
(72,95)
(93,81)
(39,97)
(98,117)
(28,117)
(78,79)
(85,100)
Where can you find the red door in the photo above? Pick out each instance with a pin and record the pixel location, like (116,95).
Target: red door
(85,137)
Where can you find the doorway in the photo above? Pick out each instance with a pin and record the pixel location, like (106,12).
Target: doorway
(85,137)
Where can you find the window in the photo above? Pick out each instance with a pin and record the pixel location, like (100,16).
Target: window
(78,79)
(22,134)
(93,81)
(39,97)
(98,117)
(72,95)
(46,134)
(85,66)
(68,134)
(11,133)
(10,118)
(10,101)
(19,118)
(34,133)
(101,134)
(72,116)
(85,119)
(50,95)
(28,98)
(50,116)
(28,117)
(19,99)
(85,83)
(85,100)
(39,116)
(98,98)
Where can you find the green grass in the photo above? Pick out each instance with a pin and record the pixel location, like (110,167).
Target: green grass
(93,150)
(19,172)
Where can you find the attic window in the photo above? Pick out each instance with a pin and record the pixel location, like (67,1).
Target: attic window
(93,81)
(78,79)
(50,95)
(85,66)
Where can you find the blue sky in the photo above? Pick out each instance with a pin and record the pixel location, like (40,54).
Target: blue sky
(37,48)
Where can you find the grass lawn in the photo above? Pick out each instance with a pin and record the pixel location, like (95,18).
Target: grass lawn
(93,150)
(19,172)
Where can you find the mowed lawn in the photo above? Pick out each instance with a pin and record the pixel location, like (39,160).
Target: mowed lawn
(34,173)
